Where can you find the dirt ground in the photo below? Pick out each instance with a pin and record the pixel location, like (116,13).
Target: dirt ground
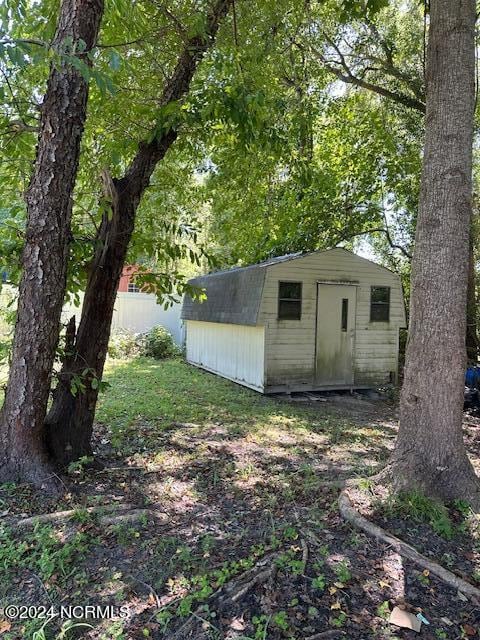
(239,535)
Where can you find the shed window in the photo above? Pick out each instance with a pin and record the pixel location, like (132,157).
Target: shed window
(380,304)
(289,300)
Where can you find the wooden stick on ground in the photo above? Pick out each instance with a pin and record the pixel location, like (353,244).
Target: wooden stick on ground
(57,516)
(225,597)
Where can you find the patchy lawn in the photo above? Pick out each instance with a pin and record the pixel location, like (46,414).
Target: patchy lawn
(238,535)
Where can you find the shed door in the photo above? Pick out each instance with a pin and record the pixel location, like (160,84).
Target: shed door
(335,334)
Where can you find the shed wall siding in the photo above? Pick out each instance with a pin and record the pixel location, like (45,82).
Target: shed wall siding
(290,344)
(233,351)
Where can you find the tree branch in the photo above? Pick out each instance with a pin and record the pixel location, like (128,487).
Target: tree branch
(383,230)
(138,174)
(345,74)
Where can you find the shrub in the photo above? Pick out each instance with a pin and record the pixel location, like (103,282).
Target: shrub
(159,344)
(124,344)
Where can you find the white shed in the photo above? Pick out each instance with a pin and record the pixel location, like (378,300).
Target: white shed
(321,320)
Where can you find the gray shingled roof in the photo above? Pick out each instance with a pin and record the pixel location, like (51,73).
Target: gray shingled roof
(233,296)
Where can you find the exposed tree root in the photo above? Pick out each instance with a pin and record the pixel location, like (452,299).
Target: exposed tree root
(224,598)
(349,513)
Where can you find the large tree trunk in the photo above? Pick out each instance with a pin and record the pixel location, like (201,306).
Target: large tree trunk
(42,287)
(70,421)
(429,453)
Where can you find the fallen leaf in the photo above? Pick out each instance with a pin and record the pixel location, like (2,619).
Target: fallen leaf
(336,605)
(469,630)
(5,625)
(237,624)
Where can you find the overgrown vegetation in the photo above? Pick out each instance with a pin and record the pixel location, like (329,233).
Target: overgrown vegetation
(413,506)
(156,343)
(159,344)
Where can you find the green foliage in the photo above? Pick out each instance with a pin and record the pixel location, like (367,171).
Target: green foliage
(342,572)
(159,344)
(383,610)
(420,508)
(339,619)
(280,620)
(125,344)
(45,553)
(79,381)
(319,582)
(78,466)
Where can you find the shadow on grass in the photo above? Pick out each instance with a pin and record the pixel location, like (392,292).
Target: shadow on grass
(230,469)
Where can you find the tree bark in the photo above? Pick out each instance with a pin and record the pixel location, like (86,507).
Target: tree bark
(42,287)
(430,454)
(69,423)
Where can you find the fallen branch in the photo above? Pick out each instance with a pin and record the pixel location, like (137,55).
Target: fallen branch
(57,516)
(225,597)
(304,555)
(133,516)
(349,513)
(128,469)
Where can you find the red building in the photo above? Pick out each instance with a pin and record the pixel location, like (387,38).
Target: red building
(127,279)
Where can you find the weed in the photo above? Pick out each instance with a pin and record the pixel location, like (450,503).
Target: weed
(260,624)
(423,577)
(448,560)
(289,563)
(115,632)
(45,553)
(339,619)
(280,620)
(342,572)
(319,582)
(383,610)
(79,466)
(125,534)
(421,508)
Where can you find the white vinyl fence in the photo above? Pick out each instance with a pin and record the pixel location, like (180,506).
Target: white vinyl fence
(7,294)
(139,312)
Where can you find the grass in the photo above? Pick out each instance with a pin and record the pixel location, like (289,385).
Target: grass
(174,390)
(154,394)
(420,508)
(237,476)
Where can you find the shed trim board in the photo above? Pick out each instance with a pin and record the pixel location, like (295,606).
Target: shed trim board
(246,299)
(350,283)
